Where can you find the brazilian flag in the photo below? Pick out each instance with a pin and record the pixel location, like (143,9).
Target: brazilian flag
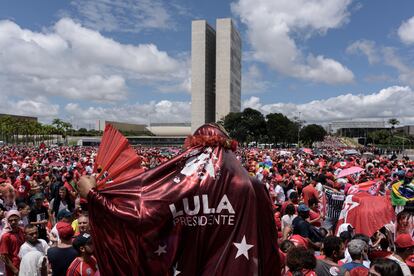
(402,193)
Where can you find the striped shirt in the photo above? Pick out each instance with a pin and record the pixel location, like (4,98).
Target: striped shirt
(334,203)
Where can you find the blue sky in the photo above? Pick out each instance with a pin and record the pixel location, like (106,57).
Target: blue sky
(129,60)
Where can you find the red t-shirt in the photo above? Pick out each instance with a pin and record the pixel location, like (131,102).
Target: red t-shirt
(10,245)
(22,188)
(305,272)
(82,268)
(308,192)
(313,215)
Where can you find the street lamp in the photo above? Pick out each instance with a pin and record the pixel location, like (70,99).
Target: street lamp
(298,129)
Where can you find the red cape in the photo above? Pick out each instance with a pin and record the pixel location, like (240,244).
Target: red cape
(197,214)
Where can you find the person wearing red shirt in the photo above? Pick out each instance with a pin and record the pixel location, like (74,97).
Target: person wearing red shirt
(86,263)
(11,242)
(314,214)
(310,192)
(22,187)
(293,199)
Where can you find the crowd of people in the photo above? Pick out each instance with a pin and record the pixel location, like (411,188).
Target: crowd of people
(309,199)
(45,225)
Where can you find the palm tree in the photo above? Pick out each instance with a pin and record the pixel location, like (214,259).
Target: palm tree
(7,127)
(58,123)
(393,122)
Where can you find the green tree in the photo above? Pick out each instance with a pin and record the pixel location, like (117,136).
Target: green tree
(379,136)
(62,127)
(246,126)
(233,124)
(312,133)
(393,122)
(254,123)
(279,128)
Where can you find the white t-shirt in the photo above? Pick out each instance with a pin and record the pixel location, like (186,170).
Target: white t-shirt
(319,188)
(287,220)
(280,194)
(63,205)
(26,247)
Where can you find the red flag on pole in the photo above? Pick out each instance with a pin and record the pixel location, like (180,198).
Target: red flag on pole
(366,213)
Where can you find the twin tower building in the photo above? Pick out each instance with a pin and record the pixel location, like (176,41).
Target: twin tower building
(215,71)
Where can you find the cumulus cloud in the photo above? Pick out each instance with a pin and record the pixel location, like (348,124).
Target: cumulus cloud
(406,31)
(126,15)
(253,82)
(395,101)
(38,107)
(386,55)
(271,29)
(406,72)
(153,112)
(75,62)
(366,47)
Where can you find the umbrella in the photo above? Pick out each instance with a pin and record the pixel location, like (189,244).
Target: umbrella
(351,152)
(307,150)
(349,171)
(284,152)
(368,155)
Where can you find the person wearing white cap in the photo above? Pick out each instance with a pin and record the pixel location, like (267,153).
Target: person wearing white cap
(11,242)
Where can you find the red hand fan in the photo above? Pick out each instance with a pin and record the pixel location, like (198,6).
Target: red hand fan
(116,161)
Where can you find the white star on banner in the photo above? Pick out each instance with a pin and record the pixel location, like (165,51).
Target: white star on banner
(176,272)
(242,248)
(161,250)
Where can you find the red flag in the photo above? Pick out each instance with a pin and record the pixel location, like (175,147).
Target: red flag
(366,213)
(197,214)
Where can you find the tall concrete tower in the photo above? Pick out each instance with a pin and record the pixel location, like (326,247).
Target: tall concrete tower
(203,74)
(228,68)
(215,71)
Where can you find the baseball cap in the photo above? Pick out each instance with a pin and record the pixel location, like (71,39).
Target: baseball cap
(81,240)
(410,261)
(65,213)
(12,213)
(65,230)
(303,208)
(404,241)
(298,240)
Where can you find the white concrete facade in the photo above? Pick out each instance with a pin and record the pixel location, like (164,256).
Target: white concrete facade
(203,59)
(228,68)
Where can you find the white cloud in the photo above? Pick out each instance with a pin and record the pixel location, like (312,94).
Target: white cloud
(154,112)
(366,47)
(387,56)
(71,61)
(406,73)
(406,31)
(272,26)
(395,101)
(37,107)
(252,81)
(125,15)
